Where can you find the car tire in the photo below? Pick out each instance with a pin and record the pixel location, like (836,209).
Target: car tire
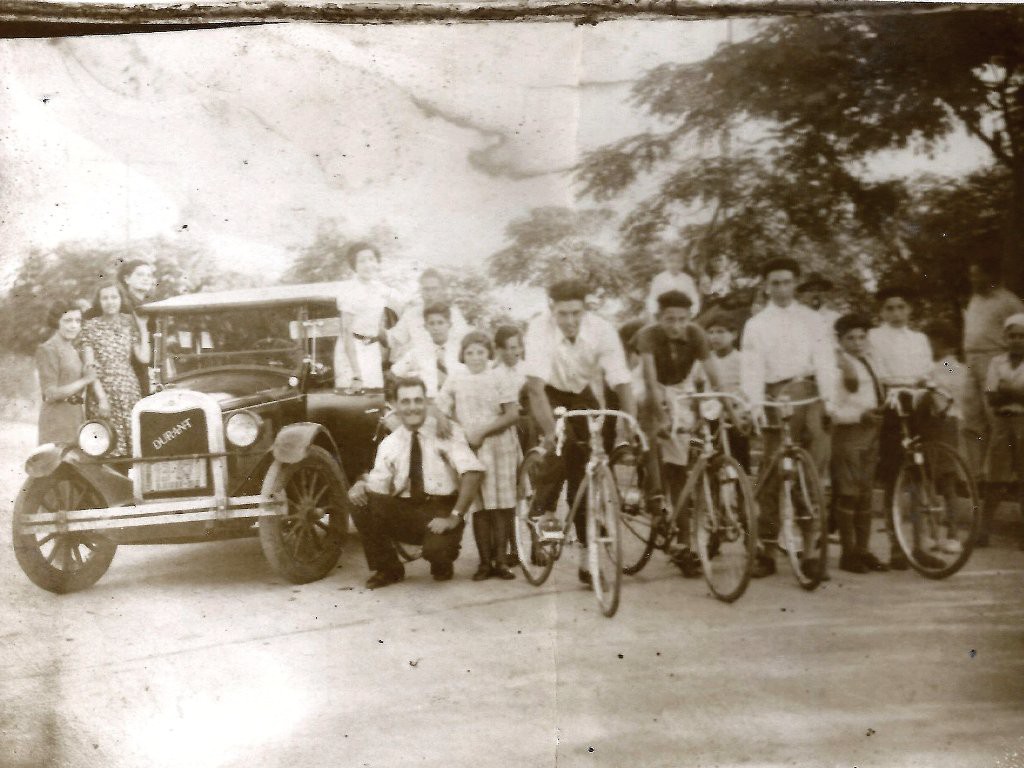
(60,562)
(304,544)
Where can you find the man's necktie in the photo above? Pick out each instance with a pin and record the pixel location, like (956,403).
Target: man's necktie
(416,490)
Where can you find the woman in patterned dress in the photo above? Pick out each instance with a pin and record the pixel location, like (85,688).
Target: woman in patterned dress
(111,341)
(486,404)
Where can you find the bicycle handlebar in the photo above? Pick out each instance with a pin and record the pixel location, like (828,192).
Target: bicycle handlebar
(787,403)
(594,415)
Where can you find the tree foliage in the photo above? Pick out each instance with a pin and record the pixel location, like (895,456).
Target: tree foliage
(554,243)
(73,270)
(767,146)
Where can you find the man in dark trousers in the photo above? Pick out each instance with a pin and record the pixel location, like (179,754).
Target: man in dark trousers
(417,492)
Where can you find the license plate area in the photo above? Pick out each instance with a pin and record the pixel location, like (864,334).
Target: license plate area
(175,477)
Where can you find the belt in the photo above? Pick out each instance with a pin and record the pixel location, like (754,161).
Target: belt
(366,339)
(431,497)
(791,380)
(73,400)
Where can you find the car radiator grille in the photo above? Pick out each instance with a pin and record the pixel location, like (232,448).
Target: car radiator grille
(172,435)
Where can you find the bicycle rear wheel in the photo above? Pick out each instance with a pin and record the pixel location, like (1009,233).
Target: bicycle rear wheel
(935,510)
(802,533)
(724,527)
(639,520)
(536,557)
(604,542)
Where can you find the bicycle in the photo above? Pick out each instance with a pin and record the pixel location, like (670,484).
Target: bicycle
(717,493)
(540,538)
(933,490)
(803,533)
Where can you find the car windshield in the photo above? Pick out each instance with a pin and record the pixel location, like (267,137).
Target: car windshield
(261,337)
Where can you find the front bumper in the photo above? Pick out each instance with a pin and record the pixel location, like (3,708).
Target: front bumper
(192,510)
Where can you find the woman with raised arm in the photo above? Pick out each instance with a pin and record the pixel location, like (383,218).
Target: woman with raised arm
(362,301)
(62,376)
(110,342)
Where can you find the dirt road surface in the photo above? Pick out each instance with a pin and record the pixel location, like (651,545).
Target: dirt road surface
(200,656)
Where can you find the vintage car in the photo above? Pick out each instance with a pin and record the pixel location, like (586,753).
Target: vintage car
(245,434)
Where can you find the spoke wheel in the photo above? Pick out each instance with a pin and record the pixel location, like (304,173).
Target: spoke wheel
(536,557)
(723,527)
(935,510)
(639,518)
(304,544)
(60,562)
(604,542)
(802,533)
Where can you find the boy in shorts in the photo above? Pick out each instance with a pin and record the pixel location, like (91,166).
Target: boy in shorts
(856,423)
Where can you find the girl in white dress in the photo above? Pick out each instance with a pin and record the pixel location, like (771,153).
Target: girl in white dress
(485,402)
(358,359)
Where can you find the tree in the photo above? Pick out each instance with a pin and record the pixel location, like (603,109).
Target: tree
(791,119)
(72,270)
(554,243)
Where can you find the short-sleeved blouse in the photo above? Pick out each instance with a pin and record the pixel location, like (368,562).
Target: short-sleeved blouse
(366,302)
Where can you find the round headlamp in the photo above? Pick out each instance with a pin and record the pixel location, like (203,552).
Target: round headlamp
(242,429)
(96,438)
(711,409)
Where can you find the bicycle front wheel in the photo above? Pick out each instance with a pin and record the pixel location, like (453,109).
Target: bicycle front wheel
(935,510)
(639,519)
(536,556)
(724,527)
(604,543)
(802,531)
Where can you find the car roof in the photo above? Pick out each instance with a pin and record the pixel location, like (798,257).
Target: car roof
(245,298)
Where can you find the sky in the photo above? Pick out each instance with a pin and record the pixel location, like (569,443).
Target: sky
(243,141)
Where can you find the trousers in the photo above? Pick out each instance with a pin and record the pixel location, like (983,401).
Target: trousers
(387,519)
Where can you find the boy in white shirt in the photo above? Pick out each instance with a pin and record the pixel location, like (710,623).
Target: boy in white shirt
(433,358)
(672,278)
(902,357)
(855,445)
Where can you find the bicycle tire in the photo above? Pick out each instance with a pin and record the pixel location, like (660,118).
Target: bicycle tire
(604,541)
(536,558)
(809,524)
(917,482)
(724,535)
(639,520)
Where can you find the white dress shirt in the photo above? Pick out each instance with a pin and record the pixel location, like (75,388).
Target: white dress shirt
(851,406)
(572,366)
(411,328)
(444,462)
(781,343)
(664,282)
(901,356)
(422,360)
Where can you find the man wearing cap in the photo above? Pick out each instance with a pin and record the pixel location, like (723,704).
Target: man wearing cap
(815,292)
(786,352)
(1004,390)
(673,278)
(987,310)
(567,350)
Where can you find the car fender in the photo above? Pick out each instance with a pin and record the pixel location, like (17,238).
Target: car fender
(115,488)
(293,441)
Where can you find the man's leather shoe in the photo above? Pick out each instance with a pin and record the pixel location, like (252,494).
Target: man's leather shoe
(851,563)
(584,577)
(811,568)
(442,572)
(763,566)
(502,573)
(872,563)
(483,572)
(384,578)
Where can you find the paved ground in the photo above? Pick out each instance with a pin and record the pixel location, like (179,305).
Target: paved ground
(201,656)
